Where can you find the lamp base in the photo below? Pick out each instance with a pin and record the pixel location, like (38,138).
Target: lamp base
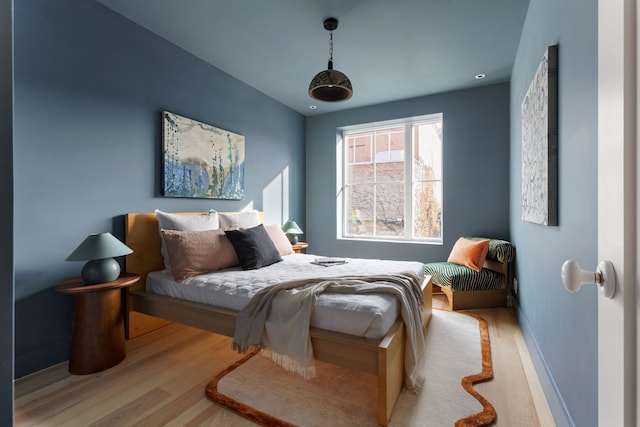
(293,238)
(100,271)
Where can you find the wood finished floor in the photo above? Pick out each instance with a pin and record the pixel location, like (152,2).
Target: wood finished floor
(162,381)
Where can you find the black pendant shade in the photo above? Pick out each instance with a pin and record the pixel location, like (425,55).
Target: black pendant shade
(330,85)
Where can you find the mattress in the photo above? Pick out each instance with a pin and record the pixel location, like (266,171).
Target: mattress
(368,316)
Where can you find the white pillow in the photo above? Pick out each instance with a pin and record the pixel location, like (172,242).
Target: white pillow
(169,221)
(247,219)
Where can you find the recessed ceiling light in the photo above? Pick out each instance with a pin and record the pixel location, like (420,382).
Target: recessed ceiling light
(313,107)
(480,76)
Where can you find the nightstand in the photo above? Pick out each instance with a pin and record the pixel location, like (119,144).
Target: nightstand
(297,247)
(98,341)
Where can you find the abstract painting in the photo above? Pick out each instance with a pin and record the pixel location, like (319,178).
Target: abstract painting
(540,143)
(200,160)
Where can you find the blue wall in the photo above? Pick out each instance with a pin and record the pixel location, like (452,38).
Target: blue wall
(561,328)
(6,213)
(89,90)
(476,171)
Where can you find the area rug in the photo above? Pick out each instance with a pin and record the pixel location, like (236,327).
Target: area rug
(458,355)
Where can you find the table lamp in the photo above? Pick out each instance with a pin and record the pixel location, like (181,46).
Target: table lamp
(98,249)
(292,230)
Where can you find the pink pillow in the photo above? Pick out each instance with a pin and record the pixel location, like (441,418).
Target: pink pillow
(198,252)
(470,253)
(170,221)
(280,240)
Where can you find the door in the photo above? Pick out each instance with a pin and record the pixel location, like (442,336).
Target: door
(617,195)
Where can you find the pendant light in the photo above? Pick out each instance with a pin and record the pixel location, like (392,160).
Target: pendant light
(330,85)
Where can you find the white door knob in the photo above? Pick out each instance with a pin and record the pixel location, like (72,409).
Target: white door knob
(574,277)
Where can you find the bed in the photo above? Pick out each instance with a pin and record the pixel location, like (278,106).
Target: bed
(146,311)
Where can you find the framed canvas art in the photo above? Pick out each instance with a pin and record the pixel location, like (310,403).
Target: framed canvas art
(540,143)
(200,160)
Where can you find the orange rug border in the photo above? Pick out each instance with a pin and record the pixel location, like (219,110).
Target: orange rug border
(484,418)
(488,414)
(246,411)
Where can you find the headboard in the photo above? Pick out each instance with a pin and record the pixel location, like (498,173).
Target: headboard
(143,237)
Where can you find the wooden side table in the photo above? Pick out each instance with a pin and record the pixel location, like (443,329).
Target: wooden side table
(297,247)
(98,341)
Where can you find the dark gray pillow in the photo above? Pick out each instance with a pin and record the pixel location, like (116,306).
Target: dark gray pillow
(254,247)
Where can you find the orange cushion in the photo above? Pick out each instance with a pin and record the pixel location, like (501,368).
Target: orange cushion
(198,252)
(470,253)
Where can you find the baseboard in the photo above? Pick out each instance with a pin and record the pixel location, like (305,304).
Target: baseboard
(558,408)
(41,358)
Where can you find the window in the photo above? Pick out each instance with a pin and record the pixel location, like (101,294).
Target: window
(391,175)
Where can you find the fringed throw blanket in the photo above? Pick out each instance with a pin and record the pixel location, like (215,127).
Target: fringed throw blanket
(277,319)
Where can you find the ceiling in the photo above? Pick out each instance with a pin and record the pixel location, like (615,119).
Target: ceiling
(390,50)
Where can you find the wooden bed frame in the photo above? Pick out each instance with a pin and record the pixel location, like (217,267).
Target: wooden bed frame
(145,312)
(464,300)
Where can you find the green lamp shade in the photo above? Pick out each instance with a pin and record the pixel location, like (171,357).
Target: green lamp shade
(99,249)
(291,229)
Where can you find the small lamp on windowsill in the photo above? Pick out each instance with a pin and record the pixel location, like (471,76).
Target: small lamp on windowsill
(99,249)
(291,229)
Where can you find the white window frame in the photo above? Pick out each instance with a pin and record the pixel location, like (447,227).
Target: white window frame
(341,169)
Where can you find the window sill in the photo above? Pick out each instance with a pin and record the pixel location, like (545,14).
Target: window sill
(378,240)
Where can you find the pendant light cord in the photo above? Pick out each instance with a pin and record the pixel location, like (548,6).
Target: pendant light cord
(331,46)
